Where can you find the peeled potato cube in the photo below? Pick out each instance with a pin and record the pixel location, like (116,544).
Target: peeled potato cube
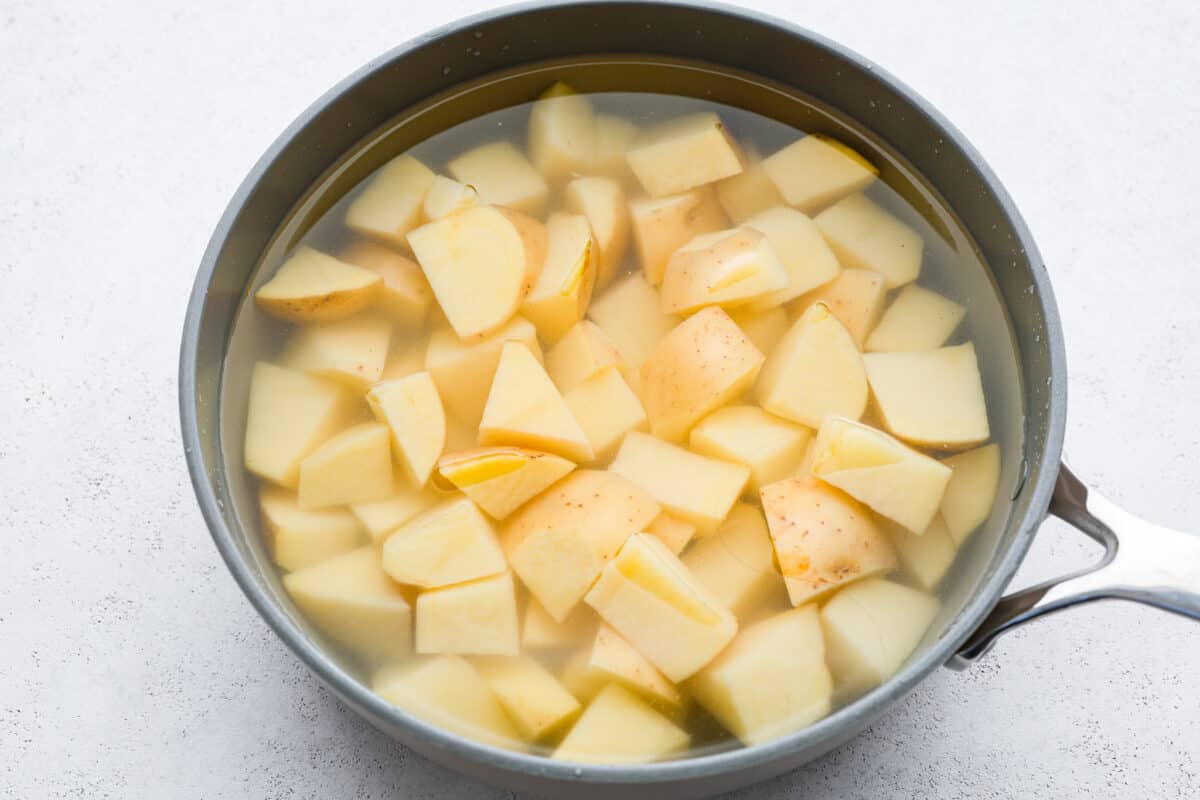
(382,517)
(823,538)
(501,479)
(871,628)
(663,225)
(864,236)
(772,680)
(352,350)
(448,692)
(894,480)
(390,205)
(502,176)
(763,328)
(533,698)
(917,319)
(630,315)
(925,557)
(704,363)
(727,268)
(450,543)
(806,258)
(682,154)
(479,617)
(404,295)
(606,409)
(856,298)
(563,290)
(971,492)
(736,563)
(353,467)
(932,398)
(412,410)
(619,728)
(614,135)
(692,487)
(559,541)
(815,370)
(540,631)
(602,201)
(463,371)
(446,195)
(350,600)
(771,447)
(524,408)
(562,133)
(814,171)
(312,287)
(290,414)
(582,352)
(302,538)
(651,599)
(614,659)
(672,532)
(748,193)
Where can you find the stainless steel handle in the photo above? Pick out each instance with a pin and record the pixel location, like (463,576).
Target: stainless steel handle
(1142,561)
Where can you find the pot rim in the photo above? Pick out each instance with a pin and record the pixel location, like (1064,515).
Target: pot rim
(869,705)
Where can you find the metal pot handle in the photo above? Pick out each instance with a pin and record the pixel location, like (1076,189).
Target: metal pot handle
(1142,561)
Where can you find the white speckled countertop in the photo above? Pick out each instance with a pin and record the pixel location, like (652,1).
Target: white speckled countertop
(131,665)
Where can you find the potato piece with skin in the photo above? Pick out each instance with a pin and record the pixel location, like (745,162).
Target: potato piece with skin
(540,631)
(651,599)
(823,538)
(663,225)
(772,680)
(533,698)
(412,410)
(502,176)
(816,370)
(805,256)
(630,315)
(692,487)
(445,196)
(602,201)
(559,541)
(727,268)
(580,354)
(682,154)
(606,409)
(749,192)
(562,132)
(704,363)
(381,518)
(856,297)
(405,295)
(917,319)
(772,448)
(971,492)
(353,467)
(925,557)
(350,600)
(933,398)
(463,371)
(563,290)
(311,286)
(673,532)
(864,236)
(619,728)
(301,538)
(352,350)
(474,618)
(390,205)
(613,137)
(501,479)
(814,171)
(871,628)
(614,659)
(736,563)
(450,543)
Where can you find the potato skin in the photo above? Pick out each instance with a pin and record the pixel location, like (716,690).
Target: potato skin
(320,308)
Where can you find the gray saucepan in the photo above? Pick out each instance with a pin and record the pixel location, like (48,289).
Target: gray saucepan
(741,58)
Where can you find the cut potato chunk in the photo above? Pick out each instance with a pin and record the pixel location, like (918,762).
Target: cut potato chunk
(614,659)
(559,541)
(630,315)
(806,258)
(865,236)
(682,154)
(651,599)
(871,628)
(524,408)
(562,133)
(971,492)
(446,195)
(350,600)
(463,371)
(540,631)
(352,350)
(856,297)
(692,487)
(533,698)
(602,201)
(661,226)
(619,728)
(748,193)
(502,176)
(479,617)
(290,414)
(772,448)
(672,532)
(896,481)
(501,479)
(763,328)
(726,268)
(353,467)
(450,543)
(412,410)
(403,361)
(816,370)
(772,680)
(449,692)
(614,135)
(302,538)
(383,517)
(404,295)
(933,398)
(563,290)
(581,353)
(313,287)
(917,319)
(390,206)
(926,558)
(479,264)
(814,171)
(606,409)
(736,564)
(823,538)
(704,363)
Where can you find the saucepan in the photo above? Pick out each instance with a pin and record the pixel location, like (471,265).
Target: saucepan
(743,59)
